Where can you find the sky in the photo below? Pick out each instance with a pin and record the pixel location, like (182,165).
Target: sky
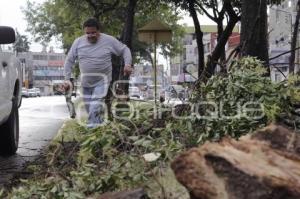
(11,15)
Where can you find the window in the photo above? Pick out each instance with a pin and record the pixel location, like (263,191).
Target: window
(6,48)
(55,57)
(283,69)
(277,16)
(287,18)
(48,77)
(277,77)
(39,57)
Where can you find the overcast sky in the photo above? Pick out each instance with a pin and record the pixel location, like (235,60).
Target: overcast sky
(11,15)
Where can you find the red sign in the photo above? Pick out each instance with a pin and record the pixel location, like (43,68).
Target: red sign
(55,63)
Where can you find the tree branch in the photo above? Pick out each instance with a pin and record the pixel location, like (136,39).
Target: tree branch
(205,11)
(284,53)
(108,7)
(215,8)
(216,54)
(92,4)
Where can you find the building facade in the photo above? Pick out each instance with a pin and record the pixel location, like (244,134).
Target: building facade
(281,26)
(42,70)
(188,59)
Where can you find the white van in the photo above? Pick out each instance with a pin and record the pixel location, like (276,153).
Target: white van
(10,98)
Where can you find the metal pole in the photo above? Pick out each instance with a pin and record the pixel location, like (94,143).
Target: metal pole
(155,80)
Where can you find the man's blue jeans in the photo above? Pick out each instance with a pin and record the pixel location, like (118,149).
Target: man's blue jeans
(93,98)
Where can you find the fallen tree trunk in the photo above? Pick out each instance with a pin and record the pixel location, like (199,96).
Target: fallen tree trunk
(263,165)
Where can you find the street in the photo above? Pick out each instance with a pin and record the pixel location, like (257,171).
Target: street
(40,120)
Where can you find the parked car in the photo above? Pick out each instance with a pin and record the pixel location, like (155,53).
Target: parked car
(134,91)
(25,92)
(10,98)
(32,92)
(150,93)
(38,92)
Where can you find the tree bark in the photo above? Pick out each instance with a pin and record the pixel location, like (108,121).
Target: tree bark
(117,63)
(129,24)
(254,30)
(127,39)
(220,32)
(217,53)
(262,165)
(294,41)
(218,17)
(199,36)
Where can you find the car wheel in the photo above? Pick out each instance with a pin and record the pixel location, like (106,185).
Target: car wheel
(9,132)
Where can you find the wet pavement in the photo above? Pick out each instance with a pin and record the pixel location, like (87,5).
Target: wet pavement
(40,120)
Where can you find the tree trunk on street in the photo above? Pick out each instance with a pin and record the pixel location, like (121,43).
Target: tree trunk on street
(254,30)
(261,165)
(294,41)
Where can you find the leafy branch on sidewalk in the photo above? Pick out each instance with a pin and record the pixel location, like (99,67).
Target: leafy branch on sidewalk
(127,154)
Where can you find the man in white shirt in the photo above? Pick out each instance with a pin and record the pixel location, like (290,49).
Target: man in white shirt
(93,52)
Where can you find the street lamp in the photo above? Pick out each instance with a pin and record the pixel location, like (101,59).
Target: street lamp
(152,33)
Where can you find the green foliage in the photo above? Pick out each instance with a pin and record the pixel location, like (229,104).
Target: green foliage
(293,86)
(129,137)
(110,158)
(54,18)
(21,44)
(63,19)
(243,100)
(113,157)
(51,187)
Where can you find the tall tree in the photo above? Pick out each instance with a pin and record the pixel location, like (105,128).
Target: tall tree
(254,30)
(127,34)
(231,8)
(217,15)
(22,44)
(216,10)
(101,7)
(191,7)
(63,19)
(199,35)
(294,40)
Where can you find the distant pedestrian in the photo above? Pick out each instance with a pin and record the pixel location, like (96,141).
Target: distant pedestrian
(93,52)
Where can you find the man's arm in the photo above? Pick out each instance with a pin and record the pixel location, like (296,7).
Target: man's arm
(121,49)
(69,63)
